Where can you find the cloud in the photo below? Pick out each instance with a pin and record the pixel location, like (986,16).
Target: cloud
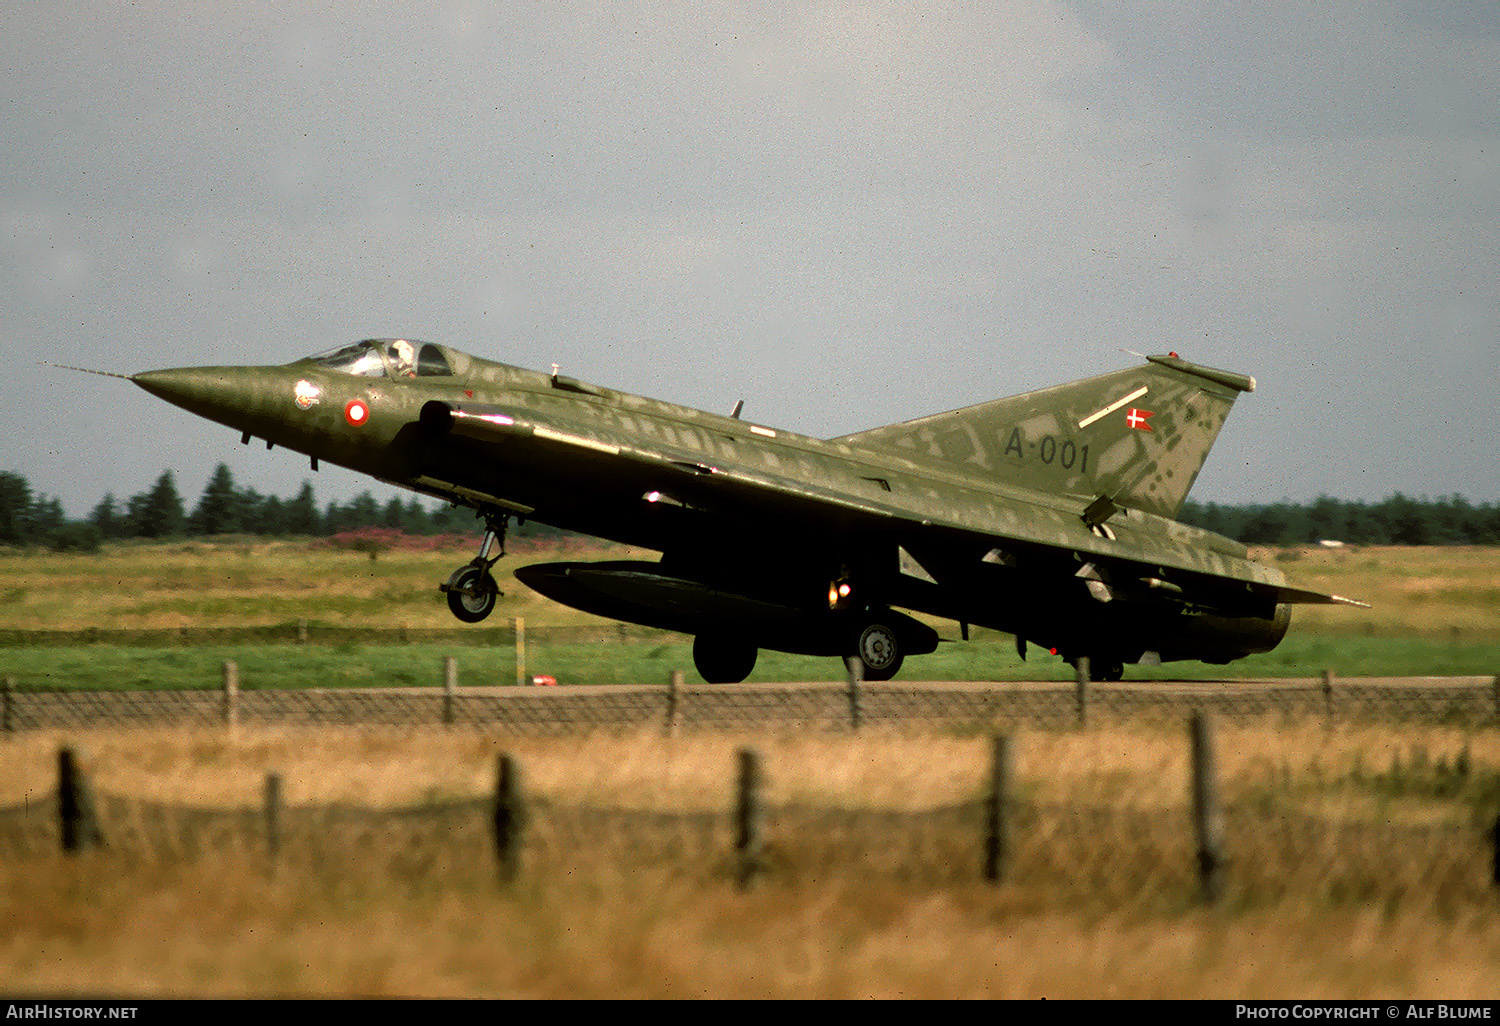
(1289,70)
(848,213)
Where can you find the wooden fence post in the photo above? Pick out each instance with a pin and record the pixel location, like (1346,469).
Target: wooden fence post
(1328,695)
(1208,817)
(510,817)
(1081,670)
(273,821)
(997,840)
(519,625)
(856,679)
(749,816)
(75,802)
(302,631)
(674,690)
(1495,866)
(450,686)
(231,693)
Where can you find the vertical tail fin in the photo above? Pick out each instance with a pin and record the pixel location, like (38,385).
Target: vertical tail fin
(1138,437)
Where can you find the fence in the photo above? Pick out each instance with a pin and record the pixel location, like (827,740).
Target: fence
(1470,701)
(1254,845)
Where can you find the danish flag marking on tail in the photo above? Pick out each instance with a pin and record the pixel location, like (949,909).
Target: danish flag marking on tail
(1112,407)
(1137,419)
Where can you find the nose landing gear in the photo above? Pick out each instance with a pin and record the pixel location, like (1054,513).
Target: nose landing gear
(471,589)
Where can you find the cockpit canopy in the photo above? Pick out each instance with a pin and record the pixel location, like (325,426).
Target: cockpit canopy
(386,358)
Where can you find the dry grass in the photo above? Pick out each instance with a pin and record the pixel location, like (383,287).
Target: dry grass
(388,768)
(224,930)
(896,770)
(1099,903)
(259,583)
(1430,591)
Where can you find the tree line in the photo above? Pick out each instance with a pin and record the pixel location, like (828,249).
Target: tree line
(28,518)
(224,508)
(1397,520)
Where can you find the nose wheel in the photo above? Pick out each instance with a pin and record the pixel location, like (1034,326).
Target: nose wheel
(472,592)
(471,589)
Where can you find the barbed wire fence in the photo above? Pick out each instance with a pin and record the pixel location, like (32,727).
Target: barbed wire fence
(1258,843)
(1471,701)
(1246,845)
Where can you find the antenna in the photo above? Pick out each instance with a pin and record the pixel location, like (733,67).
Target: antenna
(85,370)
(737,408)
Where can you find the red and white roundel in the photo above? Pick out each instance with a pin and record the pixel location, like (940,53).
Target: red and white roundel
(357,412)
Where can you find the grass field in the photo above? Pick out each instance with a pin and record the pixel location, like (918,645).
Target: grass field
(223,930)
(1110,916)
(1436,612)
(1086,914)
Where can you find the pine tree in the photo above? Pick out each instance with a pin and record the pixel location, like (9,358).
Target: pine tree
(46,517)
(272,519)
(158,513)
(301,514)
(250,510)
(218,509)
(106,517)
(415,520)
(362,511)
(15,509)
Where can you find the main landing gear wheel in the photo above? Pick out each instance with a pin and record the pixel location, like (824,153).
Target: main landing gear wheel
(472,592)
(1103,669)
(721,660)
(880,651)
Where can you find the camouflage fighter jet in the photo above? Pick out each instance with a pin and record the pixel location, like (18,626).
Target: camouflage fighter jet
(1046,515)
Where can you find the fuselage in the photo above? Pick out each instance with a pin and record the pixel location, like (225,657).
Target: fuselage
(755,510)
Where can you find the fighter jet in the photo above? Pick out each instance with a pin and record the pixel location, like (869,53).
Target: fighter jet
(1047,515)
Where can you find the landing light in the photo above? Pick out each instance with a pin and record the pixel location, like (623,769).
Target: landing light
(661,498)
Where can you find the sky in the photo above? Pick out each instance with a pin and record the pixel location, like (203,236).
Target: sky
(846,214)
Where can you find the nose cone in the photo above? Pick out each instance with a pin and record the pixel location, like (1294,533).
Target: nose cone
(175,386)
(224,394)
